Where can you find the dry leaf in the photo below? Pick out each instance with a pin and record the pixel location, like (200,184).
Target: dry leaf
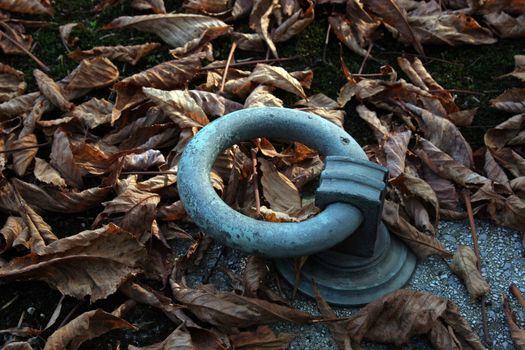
(65,34)
(90,74)
(395,16)
(58,200)
(253,275)
(294,24)
(11,82)
(512,100)
(262,338)
(89,325)
(228,310)
(260,21)
(464,264)
(155,6)
(13,227)
(262,96)
(451,29)
(208,7)
(277,77)
(179,106)
(338,329)
(505,25)
(47,174)
(19,345)
(91,263)
(146,295)
(278,190)
(127,54)
(187,338)
(16,33)
(395,148)
(397,317)
(63,160)
(186,32)
(166,76)
(23,158)
(138,209)
(443,165)
(52,91)
(422,245)
(517,334)
(35,7)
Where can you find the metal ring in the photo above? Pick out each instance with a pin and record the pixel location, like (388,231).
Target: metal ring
(331,226)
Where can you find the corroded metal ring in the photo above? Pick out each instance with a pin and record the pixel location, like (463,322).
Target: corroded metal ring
(336,222)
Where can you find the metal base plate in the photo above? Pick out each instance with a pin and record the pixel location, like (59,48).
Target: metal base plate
(348,280)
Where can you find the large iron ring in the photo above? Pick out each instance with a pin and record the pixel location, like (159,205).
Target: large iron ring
(331,226)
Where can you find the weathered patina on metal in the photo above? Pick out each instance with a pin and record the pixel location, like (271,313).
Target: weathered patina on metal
(365,262)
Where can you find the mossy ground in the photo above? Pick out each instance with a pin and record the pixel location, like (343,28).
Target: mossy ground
(471,68)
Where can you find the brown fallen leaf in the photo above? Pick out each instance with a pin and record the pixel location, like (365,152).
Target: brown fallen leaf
(166,76)
(277,77)
(35,7)
(13,227)
(253,275)
(47,174)
(227,311)
(13,40)
(11,82)
(90,74)
(23,158)
(262,96)
(422,245)
(395,16)
(517,334)
(444,135)
(52,91)
(93,263)
(395,148)
(60,200)
(464,264)
(504,210)
(325,107)
(185,31)
(89,325)
(445,166)
(148,296)
(155,6)
(505,25)
(337,329)
(262,338)
(127,54)
(138,210)
(512,100)
(214,105)
(295,24)
(63,160)
(18,345)
(278,190)
(187,338)
(66,35)
(344,31)
(451,29)
(208,7)
(179,106)
(397,317)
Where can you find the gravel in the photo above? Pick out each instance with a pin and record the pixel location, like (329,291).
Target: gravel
(502,263)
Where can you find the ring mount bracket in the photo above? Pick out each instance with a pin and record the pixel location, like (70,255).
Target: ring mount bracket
(362,184)
(364,262)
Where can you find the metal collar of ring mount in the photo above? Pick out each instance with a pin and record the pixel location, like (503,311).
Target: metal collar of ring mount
(341,215)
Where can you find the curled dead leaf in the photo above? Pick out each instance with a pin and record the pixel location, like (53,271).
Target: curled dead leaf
(35,7)
(464,264)
(89,325)
(93,263)
(262,338)
(278,190)
(127,54)
(11,81)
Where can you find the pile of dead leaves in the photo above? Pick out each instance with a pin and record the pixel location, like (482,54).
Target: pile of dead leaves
(95,139)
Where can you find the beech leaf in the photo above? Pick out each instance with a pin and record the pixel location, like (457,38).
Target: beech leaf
(464,264)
